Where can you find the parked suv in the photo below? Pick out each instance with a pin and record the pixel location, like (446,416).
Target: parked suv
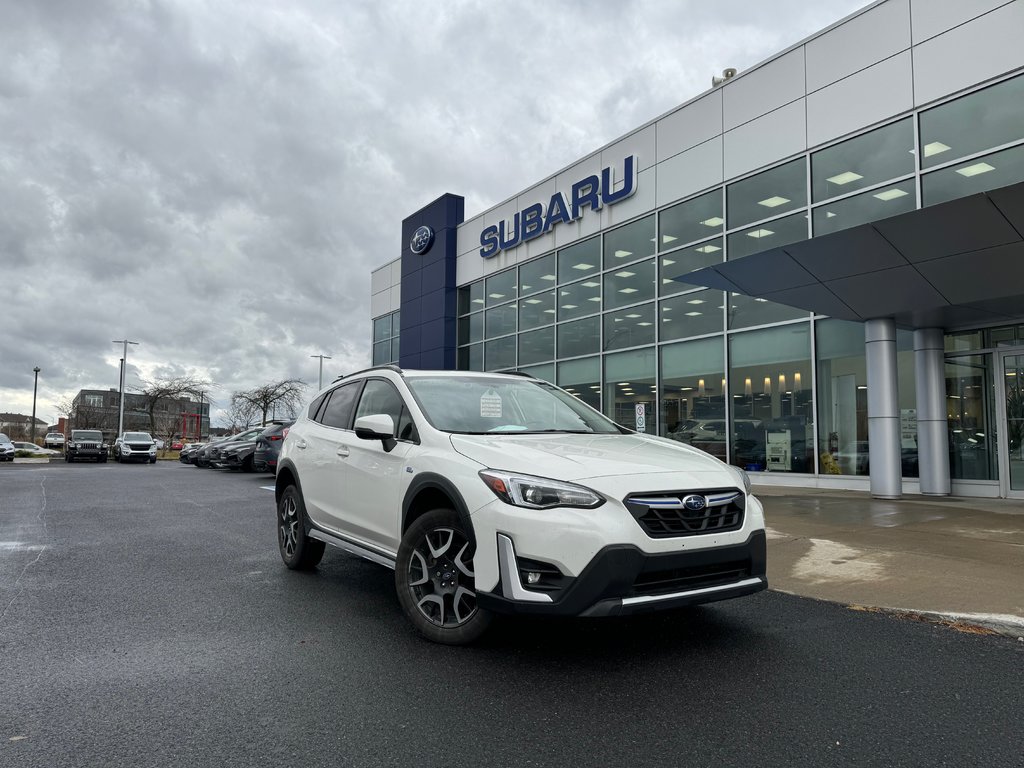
(491,493)
(7,448)
(135,446)
(54,440)
(86,444)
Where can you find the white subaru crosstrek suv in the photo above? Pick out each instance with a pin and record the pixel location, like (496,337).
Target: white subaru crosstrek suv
(491,493)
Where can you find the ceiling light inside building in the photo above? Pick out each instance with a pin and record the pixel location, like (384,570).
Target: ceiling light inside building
(974,170)
(759,233)
(844,178)
(627,290)
(623,254)
(668,239)
(714,221)
(667,262)
(591,284)
(625,274)
(708,249)
(582,266)
(890,194)
(773,202)
(693,314)
(935,148)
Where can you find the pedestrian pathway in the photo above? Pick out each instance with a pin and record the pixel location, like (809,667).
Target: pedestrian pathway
(951,557)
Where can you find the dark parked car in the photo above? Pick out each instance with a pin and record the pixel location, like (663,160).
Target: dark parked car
(268,447)
(209,454)
(235,456)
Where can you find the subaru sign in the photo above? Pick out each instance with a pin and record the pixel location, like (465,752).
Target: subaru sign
(421,240)
(593,192)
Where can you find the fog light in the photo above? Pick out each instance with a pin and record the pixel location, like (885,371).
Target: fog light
(532,577)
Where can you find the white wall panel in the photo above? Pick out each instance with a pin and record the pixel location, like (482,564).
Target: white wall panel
(763,90)
(380,279)
(380,303)
(396,299)
(689,126)
(585,226)
(765,140)
(640,143)
(973,52)
(469,235)
(689,172)
(870,96)
(468,267)
(860,42)
(503,260)
(396,272)
(933,17)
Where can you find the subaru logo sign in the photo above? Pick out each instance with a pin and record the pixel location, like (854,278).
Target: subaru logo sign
(421,240)
(695,503)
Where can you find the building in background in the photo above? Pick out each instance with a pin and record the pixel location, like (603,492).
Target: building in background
(814,270)
(17,426)
(174,417)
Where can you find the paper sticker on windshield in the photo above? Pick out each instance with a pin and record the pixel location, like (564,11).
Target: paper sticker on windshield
(490,405)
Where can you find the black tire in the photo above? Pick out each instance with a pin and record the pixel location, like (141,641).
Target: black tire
(298,551)
(102,460)
(67,458)
(152,461)
(435,581)
(247,465)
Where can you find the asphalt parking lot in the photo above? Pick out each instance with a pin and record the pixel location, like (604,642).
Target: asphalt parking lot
(146,620)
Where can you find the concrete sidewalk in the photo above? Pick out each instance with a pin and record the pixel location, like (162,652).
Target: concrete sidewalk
(955,558)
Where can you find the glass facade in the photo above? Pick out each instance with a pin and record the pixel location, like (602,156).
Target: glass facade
(386,332)
(764,386)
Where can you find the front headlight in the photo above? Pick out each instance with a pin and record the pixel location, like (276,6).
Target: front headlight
(538,492)
(744,478)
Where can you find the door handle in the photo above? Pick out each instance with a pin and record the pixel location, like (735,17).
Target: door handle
(343,452)
(300,444)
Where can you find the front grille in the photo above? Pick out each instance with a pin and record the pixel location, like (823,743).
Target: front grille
(666,514)
(685,579)
(139,447)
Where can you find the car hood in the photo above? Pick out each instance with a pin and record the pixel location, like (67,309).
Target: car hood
(579,457)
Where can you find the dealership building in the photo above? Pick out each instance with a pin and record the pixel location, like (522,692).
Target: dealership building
(814,270)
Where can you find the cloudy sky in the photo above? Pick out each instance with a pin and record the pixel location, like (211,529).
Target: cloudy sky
(216,179)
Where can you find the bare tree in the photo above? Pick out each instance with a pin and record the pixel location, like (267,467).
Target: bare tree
(161,401)
(241,415)
(284,398)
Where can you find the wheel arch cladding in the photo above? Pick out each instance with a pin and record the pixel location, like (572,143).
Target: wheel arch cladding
(286,476)
(429,491)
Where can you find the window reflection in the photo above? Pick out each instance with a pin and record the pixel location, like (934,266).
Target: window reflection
(842,398)
(579,260)
(630,392)
(582,378)
(767,194)
(471,297)
(770,394)
(536,310)
(501,287)
(692,314)
(970,415)
(981,174)
(631,284)
(579,299)
(536,346)
(471,328)
(863,161)
(973,123)
(500,354)
(678,263)
(771,234)
(471,358)
(629,243)
(865,207)
(629,327)
(501,320)
(692,395)
(747,311)
(582,337)
(544,372)
(537,275)
(693,220)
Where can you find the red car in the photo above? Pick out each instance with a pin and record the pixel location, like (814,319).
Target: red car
(176,445)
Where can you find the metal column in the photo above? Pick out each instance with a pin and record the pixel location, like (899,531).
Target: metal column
(932,430)
(883,409)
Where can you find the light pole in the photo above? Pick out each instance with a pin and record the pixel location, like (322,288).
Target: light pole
(124,365)
(320,385)
(35,387)
(200,428)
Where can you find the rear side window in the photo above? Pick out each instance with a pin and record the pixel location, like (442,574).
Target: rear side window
(338,411)
(315,406)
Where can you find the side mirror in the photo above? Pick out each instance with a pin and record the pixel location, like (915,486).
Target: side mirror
(378,426)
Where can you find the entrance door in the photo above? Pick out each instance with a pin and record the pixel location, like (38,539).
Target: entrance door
(1012,406)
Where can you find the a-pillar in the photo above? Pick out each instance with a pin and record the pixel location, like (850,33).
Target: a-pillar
(883,409)
(932,431)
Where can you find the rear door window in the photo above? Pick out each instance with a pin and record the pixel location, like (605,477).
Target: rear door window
(338,410)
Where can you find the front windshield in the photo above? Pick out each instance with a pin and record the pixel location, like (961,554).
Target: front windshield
(478,405)
(142,437)
(83,435)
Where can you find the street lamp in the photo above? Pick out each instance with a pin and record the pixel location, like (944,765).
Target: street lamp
(35,387)
(124,365)
(320,385)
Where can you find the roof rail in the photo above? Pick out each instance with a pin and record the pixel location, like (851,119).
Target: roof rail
(385,367)
(519,373)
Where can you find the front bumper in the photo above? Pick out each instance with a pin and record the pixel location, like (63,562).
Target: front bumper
(623,579)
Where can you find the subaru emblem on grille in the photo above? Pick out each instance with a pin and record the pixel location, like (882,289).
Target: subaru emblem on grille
(695,503)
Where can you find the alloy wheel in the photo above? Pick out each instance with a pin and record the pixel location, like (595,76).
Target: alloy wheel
(440,577)
(288,525)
